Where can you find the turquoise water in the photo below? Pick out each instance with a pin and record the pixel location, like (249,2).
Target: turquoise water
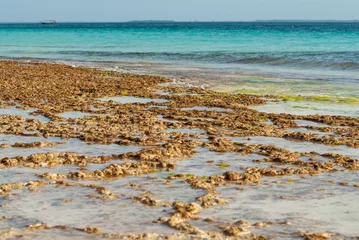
(327,52)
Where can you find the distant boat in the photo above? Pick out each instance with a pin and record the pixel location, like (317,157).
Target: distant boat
(48,22)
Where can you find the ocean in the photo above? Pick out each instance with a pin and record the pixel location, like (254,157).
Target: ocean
(309,58)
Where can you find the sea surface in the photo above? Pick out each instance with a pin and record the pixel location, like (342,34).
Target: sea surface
(308,58)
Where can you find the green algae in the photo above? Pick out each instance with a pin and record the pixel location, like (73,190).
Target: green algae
(320,98)
(291,180)
(189,175)
(296,98)
(223,165)
(306,107)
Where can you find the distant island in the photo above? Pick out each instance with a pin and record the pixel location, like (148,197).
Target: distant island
(289,20)
(151,21)
(259,20)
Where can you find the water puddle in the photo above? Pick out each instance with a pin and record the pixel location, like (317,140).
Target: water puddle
(207,163)
(185,130)
(296,146)
(310,123)
(126,99)
(207,109)
(23,113)
(76,114)
(70,145)
(305,130)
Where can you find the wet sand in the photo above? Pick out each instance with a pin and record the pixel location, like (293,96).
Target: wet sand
(88,154)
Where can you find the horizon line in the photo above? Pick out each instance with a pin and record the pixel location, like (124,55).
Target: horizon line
(194,21)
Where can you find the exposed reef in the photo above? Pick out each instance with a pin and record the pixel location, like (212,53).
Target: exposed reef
(173,125)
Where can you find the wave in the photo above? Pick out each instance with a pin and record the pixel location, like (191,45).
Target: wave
(322,60)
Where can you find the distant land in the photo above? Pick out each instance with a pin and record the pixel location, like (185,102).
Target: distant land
(259,20)
(289,20)
(151,21)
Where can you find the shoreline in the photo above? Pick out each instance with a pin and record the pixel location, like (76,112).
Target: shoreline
(136,150)
(240,82)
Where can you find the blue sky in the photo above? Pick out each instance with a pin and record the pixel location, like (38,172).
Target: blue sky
(179,10)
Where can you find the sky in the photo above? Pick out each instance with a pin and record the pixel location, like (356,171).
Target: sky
(178,10)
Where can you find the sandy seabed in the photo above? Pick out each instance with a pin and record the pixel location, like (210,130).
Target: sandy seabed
(90,154)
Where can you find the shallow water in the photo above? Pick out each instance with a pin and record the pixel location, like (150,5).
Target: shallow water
(119,215)
(126,100)
(297,146)
(207,163)
(307,108)
(23,113)
(316,133)
(310,123)
(70,145)
(75,114)
(335,205)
